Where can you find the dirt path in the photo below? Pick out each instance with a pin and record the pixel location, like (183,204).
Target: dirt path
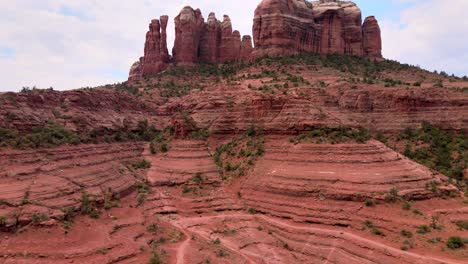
(339,234)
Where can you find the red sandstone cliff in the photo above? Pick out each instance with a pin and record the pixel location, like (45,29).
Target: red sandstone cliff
(156,57)
(280,27)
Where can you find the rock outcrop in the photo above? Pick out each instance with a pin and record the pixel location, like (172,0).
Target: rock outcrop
(230,42)
(246,48)
(156,57)
(281,27)
(211,40)
(189,26)
(325,27)
(372,41)
(198,41)
(284,27)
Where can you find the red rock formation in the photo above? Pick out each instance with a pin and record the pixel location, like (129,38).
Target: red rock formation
(156,56)
(372,41)
(284,27)
(330,20)
(189,26)
(163,46)
(246,48)
(211,40)
(327,26)
(230,42)
(352,29)
(281,27)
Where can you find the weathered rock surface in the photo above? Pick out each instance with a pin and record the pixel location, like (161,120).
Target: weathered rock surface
(291,26)
(189,26)
(211,40)
(284,27)
(246,48)
(372,42)
(47,181)
(200,42)
(156,57)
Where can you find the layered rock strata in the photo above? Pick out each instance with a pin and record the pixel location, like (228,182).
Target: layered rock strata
(325,27)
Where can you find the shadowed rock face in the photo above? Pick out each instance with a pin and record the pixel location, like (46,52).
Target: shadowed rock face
(211,40)
(280,27)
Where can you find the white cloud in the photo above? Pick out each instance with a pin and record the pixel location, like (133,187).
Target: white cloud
(68,44)
(431,33)
(73,43)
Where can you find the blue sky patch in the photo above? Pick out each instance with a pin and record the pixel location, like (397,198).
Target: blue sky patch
(7,53)
(71,12)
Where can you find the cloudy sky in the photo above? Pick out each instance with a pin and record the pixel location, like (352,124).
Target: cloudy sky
(75,43)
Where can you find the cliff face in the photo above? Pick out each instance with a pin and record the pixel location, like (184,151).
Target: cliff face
(293,26)
(280,27)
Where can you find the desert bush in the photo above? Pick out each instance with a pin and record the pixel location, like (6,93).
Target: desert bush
(455,242)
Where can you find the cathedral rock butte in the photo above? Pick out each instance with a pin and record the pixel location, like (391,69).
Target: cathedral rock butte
(280,27)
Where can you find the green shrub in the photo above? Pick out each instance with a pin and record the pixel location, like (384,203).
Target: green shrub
(392,196)
(202,134)
(406,233)
(164,148)
(462,224)
(423,229)
(369,202)
(455,242)
(406,205)
(252,211)
(141,164)
(434,240)
(155,258)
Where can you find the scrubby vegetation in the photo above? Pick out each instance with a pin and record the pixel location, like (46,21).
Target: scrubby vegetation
(53,135)
(160,143)
(455,242)
(49,135)
(437,149)
(237,156)
(334,135)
